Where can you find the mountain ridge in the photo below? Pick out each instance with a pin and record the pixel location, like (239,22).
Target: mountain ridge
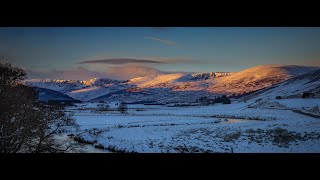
(166,87)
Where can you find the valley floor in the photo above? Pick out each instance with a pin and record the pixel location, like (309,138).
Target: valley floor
(238,128)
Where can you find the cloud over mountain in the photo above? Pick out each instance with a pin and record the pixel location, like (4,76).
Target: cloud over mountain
(128,72)
(80,73)
(119,61)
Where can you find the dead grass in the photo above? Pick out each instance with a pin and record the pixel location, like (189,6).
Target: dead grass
(233,136)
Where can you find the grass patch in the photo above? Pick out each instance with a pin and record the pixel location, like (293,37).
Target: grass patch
(233,136)
(95,131)
(279,136)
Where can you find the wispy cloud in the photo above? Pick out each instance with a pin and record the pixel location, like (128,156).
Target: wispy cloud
(80,73)
(130,71)
(118,61)
(129,68)
(176,60)
(164,41)
(141,60)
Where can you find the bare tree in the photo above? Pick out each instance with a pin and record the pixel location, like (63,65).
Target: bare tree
(25,124)
(122,108)
(103,107)
(10,76)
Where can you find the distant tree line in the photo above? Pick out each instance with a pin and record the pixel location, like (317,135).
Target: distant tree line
(103,107)
(304,95)
(220,99)
(307,95)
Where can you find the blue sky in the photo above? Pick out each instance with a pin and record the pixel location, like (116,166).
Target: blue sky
(191,49)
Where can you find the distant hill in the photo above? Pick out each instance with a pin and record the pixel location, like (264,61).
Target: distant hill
(175,86)
(256,78)
(293,88)
(46,95)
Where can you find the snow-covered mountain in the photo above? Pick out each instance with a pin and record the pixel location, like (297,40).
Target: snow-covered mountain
(256,78)
(203,76)
(62,86)
(81,90)
(300,94)
(293,88)
(245,81)
(69,85)
(46,95)
(175,86)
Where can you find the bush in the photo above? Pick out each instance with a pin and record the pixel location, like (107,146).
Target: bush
(204,101)
(83,141)
(233,136)
(226,101)
(223,99)
(278,97)
(306,95)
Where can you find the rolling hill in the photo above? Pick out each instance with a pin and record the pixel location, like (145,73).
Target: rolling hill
(46,95)
(175,86)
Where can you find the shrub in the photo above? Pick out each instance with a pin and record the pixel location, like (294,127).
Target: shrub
(223,99)
(226,101)
(233,136)
(306,95)
(83,141)
(204,101)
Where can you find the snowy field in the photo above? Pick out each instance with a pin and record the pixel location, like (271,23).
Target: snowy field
(238,128)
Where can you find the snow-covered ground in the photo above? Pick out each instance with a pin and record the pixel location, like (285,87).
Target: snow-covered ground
(236,127)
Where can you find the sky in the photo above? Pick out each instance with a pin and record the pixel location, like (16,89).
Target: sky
(126,52)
